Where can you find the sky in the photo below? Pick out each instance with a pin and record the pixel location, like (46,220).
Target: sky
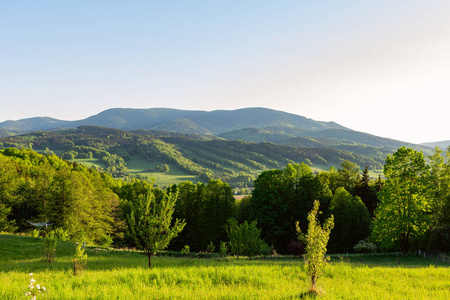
(380,67)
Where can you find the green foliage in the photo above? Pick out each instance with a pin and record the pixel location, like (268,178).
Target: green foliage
(211,247)
(80,260)
(50,243)
(316,240)
(218,205)
(245,238)
(365,247)
(406,200)
(185,250)
(351,221)
(223,249)
(163,168)
(105,241)
(149,222)
(280,197)
(71,197)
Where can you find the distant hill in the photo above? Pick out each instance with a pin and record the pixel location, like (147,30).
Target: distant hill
(248,124)
(443,144)
(139,153)
(214,122)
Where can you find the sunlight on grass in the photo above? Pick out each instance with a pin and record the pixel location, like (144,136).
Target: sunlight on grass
(125,275)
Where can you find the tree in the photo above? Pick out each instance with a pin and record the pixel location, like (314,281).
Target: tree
(188,207)
(367,192)
(245,238)
(405,200)
(351,219)
(316,240)
(270,208)
(218,205)
(8,185)
(348,174)
(149,223)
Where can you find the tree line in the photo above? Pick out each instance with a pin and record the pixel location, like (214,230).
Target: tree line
(408,209)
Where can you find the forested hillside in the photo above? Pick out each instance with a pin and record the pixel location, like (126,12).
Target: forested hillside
(147,153)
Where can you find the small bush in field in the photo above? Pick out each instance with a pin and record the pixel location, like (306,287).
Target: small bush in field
(365,247)
(105,241)
(223,250)
(210,248)
(185,250)
(80,260)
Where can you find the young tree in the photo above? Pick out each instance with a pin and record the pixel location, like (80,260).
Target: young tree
(316,240)
(405,200)
(245,238)
(149,223)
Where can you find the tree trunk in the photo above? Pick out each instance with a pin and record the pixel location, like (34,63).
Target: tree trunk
(149,260)
(313,283)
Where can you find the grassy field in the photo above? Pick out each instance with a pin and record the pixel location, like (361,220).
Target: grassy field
(125,275)
(139,166)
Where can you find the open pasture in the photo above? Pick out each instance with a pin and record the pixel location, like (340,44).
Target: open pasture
(125,275)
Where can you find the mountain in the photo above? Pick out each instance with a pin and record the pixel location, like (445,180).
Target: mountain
(442,144)
(248,124)
(214,122)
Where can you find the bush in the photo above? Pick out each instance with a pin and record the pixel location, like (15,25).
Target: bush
(185,250)
(105,241)
(365,247)
(80,260)
(61,234)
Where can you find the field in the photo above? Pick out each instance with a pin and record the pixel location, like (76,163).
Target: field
(125,275)
(139,166)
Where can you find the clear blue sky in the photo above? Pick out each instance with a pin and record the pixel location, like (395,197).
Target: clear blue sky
(381,67)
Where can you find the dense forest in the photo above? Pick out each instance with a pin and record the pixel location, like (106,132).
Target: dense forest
(408,209)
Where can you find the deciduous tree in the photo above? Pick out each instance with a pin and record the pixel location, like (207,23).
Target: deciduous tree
(405,200)
(149,223)
(316,239)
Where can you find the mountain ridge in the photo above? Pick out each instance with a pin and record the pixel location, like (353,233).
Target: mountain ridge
(216,121)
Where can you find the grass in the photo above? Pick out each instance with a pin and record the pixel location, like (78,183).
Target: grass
(125,275)
(137,165)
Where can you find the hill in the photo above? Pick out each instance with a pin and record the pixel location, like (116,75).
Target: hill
(442,144)
(247,124)
(185,121)
(195,157)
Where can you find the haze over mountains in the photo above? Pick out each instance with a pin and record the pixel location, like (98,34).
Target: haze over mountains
(248,124)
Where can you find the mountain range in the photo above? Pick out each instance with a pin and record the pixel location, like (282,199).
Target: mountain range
(233,145)
(247,124)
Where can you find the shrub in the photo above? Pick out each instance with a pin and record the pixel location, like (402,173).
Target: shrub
(223,250)
(105,241)
(61,234)
(185,250)
(80,260)
(210,248)
(365,247)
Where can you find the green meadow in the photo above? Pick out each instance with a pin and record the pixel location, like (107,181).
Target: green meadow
(117,274)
